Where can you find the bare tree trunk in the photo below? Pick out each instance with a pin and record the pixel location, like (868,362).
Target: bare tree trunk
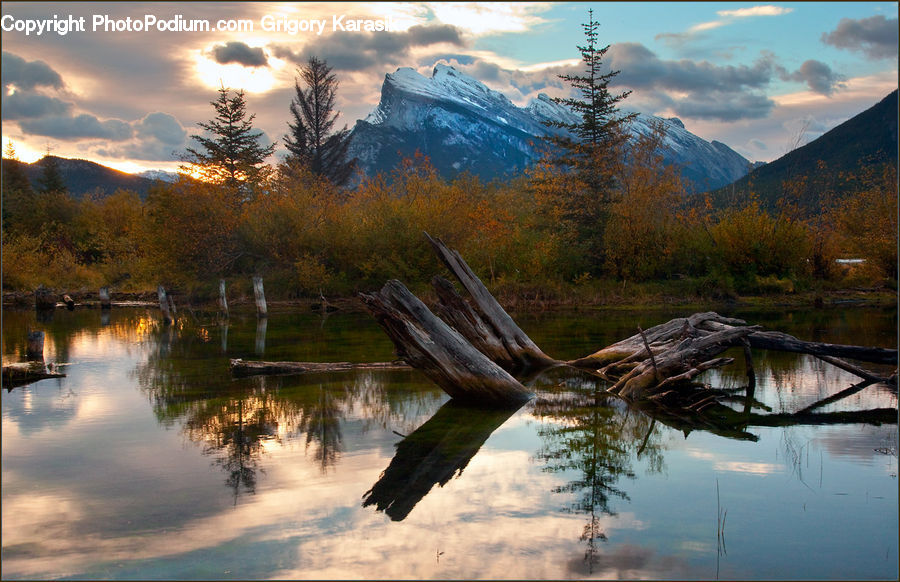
(440,352)
(517,343)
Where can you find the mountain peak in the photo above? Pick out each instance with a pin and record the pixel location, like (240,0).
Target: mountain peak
(463,125)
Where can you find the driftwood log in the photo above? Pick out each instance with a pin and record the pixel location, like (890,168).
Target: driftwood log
(241,368)
(427,343)
(22,373)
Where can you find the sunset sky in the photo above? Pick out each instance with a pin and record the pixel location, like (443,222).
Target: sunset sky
(758,77)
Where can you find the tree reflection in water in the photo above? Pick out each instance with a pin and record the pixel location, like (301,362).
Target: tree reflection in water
(595,437)
(187,380)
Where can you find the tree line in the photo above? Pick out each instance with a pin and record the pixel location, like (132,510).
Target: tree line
(599,211)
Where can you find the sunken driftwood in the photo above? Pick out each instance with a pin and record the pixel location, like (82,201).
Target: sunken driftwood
(22,373)
(427,343)
(241,367)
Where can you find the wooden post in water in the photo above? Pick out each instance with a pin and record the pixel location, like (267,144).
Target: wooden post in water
(35,349)
(223,302)
(164,304)
(260,295)
(104,298)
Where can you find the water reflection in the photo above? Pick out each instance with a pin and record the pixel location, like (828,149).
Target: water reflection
(276,490)
(595,437)
(433,454)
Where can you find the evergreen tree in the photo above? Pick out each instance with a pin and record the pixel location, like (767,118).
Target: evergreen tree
(593,159)
(51,179)
(18,195)
(233,154)
(311,141)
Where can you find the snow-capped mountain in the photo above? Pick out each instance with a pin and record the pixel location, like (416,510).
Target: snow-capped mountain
(162,175)
(462,125)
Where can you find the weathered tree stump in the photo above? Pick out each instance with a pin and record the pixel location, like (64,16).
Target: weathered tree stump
(260,296)
(516,342)
(164,305)
(44,298)
(440,352)
(105,302)
(223,301)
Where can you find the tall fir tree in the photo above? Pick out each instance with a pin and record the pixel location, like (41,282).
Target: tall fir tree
(312,143)
(600,130)
(591,155)
(233,154)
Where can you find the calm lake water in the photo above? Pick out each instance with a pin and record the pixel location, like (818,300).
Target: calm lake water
(148,461)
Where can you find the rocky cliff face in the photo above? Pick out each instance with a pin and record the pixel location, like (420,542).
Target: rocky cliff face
(462,125)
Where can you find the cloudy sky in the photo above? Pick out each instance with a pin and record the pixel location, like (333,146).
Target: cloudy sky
(758,77)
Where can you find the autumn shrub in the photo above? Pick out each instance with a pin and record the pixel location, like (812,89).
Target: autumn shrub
(750,242)
(29,262)
(191,232)
(867,222)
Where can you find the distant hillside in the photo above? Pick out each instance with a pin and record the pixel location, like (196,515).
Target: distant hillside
(867,139)
(84,177)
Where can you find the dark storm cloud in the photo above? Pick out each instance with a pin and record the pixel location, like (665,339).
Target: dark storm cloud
(27,75)
(240,53)
(30,105)
(357,52)
(78,127)
(818,77)
(876,37)
(161,127)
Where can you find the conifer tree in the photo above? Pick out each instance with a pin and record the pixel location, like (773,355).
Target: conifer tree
(51,179)
(18,195)
(311,141)
(233,154)
(600,130)
(590,156)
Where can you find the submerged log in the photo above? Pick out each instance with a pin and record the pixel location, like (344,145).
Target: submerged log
(242,368)
(680,363)
(660,338)
(776,340)
(22,373)
(440,352)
